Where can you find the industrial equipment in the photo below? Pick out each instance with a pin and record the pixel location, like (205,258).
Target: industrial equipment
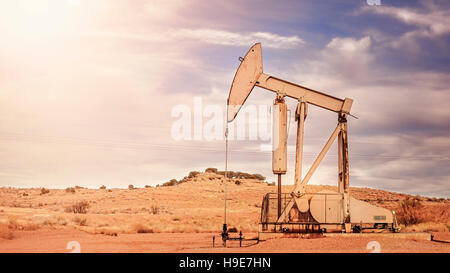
(299,211)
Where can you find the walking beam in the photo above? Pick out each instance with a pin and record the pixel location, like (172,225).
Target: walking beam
(309,95)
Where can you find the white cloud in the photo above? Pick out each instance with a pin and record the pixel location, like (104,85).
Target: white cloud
(343,57)
(350,44)
(222,37)
(431,24)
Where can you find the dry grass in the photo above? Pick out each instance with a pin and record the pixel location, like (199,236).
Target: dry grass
(81,221)
(155,208)
(428,227)
(70,190)
(5,232)
(410,212)
(78,207)
(14,224)
(191,207)
(140,228)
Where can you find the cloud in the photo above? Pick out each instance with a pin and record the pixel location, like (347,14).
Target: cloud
(223,37)
(349,44)
(393,144)
(431,22)
(90,104)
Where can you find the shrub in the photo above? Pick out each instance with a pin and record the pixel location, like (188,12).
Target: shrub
(172,182)
(409,212)
(237,182)
(70,190)
(155,208)
(232,229)
(103,187)
(79,207)
(258,177)
(130,187)
(147,186)
(139,228)
(211,170)
(81,221)
(44,191)
(5,232)
(193,174)
(12,222)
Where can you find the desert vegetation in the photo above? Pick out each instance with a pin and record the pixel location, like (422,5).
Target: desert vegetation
(219,174)
(78,207)
(70,190)
(409,212)
(192,204)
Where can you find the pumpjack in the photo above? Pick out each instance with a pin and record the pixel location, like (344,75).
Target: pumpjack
(299,210)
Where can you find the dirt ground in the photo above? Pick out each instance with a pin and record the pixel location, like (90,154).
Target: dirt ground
(45,241)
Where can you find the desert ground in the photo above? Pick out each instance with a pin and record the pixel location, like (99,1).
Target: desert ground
(183,216)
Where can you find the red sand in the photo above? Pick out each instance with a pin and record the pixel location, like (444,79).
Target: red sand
(57,240)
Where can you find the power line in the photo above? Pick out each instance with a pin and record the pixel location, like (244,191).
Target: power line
(139,146)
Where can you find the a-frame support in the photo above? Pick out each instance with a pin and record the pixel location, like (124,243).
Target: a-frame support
(339,132)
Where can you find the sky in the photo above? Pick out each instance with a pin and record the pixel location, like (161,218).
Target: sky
(89,90)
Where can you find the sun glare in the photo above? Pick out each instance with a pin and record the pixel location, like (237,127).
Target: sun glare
(40,17)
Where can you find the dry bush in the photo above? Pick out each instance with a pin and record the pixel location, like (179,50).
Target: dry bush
(44,191)
(232,229)
(70,190)
(155,208)
(139,228)
(29,226)
(61,221)
(238,182)
(172,182)
(5,232)
(109,233)
(81,221)
(78,207)
(259,177)
(103,187)
(130,187)
(211,170)
(409,212)
(429,227)
(193,174)
(13,224)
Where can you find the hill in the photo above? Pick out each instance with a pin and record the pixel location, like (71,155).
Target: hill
(193,204)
